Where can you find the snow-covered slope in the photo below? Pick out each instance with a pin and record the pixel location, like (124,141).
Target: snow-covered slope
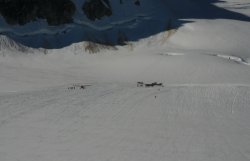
(9,47)
(124,122)
(60,67)
(7,44)
(82,102)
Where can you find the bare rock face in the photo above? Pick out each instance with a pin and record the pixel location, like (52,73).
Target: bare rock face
(96,9)
(137,2)
(20,12)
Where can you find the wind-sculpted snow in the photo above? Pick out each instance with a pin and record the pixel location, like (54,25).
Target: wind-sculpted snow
(103,25)
(122,122)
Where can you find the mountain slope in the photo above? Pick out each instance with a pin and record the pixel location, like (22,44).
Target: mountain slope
(124,20)
(72,104)
(9,44)
(127,19)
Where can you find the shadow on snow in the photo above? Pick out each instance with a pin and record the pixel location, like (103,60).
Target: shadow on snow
(182,12)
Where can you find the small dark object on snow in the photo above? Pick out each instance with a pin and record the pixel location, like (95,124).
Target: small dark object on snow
(77,86)
(71,88)
(154,84)
(149,85)
(140,84)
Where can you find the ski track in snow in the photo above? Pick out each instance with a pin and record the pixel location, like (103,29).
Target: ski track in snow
(227,57)
(233,58)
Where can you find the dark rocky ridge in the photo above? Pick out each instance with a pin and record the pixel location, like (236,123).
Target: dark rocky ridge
(96,9)
(55,12)
(20,12)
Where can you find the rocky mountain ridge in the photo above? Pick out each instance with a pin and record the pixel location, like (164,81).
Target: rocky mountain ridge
(55,12)
(60,23)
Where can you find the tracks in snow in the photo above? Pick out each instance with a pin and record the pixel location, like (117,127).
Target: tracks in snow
(227,57)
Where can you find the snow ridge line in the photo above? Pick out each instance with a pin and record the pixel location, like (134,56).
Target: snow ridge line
(233,58)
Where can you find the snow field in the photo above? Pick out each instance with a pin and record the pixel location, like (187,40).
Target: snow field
(124,122)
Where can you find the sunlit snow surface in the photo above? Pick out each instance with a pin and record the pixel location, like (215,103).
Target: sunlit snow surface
(201,113)
(122,122)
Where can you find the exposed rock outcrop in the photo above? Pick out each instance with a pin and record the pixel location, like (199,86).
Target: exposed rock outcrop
(20,12)
(137,2)
(96,9)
